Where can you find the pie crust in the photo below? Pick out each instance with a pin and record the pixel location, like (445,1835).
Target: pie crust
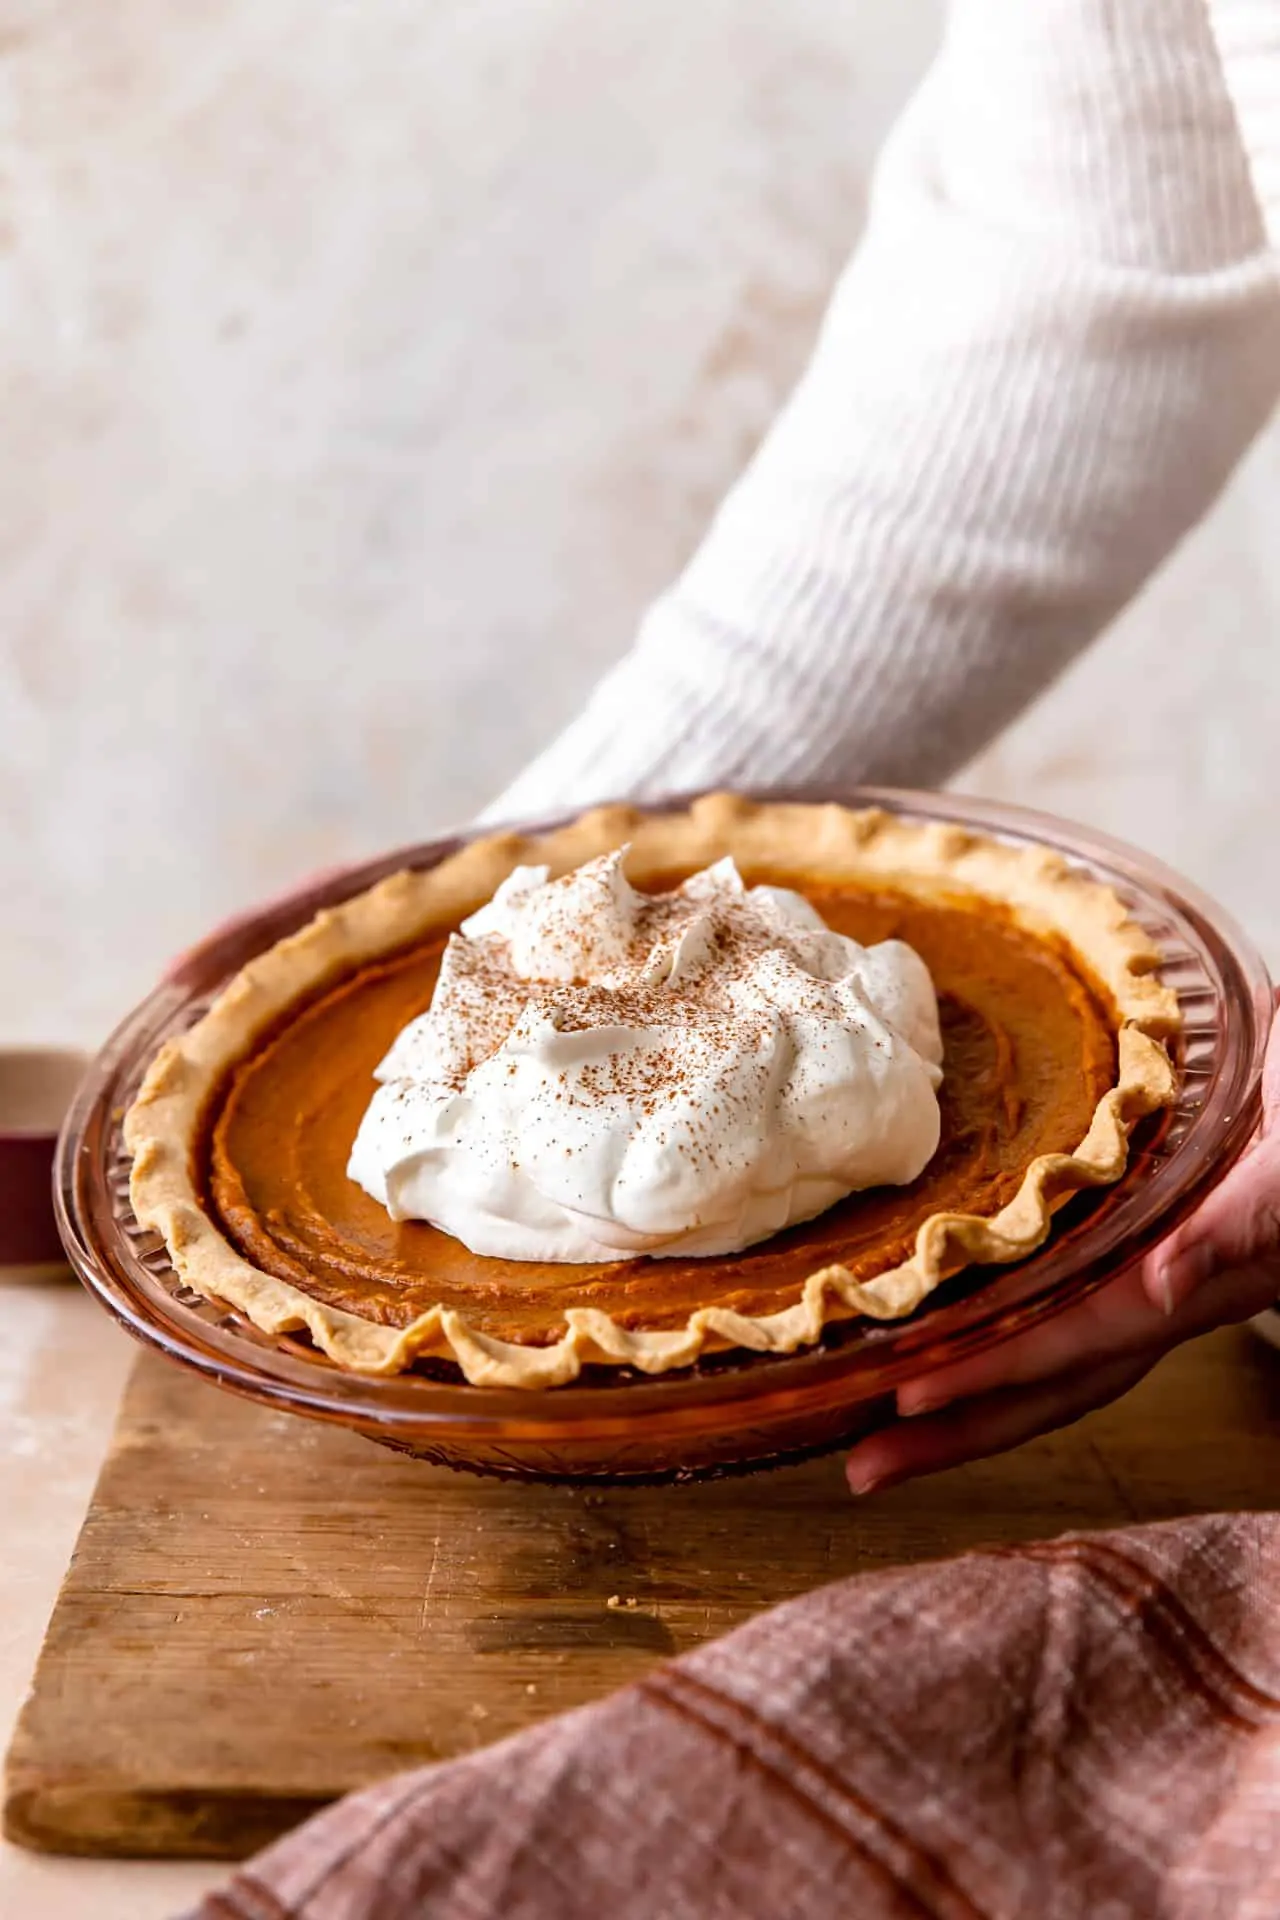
(163,1128)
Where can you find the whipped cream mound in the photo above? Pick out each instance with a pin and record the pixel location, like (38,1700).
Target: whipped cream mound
(604,1073)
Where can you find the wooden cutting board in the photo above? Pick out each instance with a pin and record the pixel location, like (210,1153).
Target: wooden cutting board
(263,1612)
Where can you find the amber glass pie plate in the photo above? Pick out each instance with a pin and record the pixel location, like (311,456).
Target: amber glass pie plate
(732,1410)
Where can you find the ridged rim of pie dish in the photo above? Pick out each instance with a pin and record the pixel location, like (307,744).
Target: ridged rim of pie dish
(1034,883)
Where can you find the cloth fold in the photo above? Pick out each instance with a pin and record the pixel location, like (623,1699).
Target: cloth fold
(1088,1726)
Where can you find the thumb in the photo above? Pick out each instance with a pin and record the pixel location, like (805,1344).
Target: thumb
(1271,1076)
(1238,1225)
(1240,1221)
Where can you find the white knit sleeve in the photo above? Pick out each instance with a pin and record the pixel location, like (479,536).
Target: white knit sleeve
(1059,334)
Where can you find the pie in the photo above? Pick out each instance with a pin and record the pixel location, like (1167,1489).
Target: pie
(1055,1027)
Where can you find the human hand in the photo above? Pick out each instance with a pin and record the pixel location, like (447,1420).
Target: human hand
(1221,1265)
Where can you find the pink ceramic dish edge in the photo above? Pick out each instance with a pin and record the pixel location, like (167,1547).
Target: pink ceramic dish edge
(729,1412)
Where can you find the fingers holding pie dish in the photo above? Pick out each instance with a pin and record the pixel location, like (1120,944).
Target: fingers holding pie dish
(1049,1376)
(1239,1224)
(1221,1266)
(988,1423)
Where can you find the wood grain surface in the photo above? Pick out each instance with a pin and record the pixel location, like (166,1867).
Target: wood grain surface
(263,1612)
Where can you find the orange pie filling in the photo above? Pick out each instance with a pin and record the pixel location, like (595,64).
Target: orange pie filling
(1030,1051)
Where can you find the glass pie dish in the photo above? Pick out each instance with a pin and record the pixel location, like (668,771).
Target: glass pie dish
(731,1410)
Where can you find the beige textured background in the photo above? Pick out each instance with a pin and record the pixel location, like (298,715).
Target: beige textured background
(363,372)
(363,369)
